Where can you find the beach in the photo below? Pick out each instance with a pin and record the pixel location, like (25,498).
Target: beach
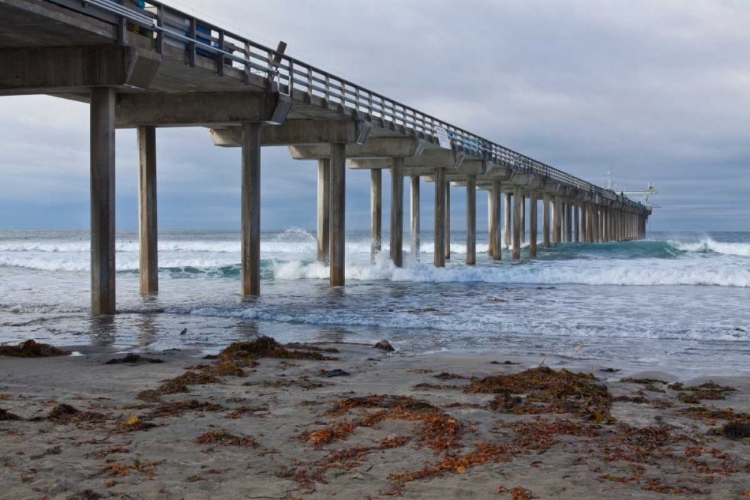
(441,425)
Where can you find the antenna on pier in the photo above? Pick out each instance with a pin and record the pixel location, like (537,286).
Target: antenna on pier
(646,195)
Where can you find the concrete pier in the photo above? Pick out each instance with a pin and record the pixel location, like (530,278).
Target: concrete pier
(251,209)
(508,213)
(523,219)
(439,217)
(338,214)
(447,244)
(147,210)
(558,222)
(568,222)
(495,203)
(376,212)
(532,225)
(397,211)
(324,209)
(471,220)
(516,251)
(545,221)
(102,115)
(414,239)
(576,222)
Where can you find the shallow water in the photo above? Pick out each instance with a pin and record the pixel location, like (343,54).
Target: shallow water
(677,302)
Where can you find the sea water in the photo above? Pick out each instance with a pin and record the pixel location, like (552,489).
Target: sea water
(677,302)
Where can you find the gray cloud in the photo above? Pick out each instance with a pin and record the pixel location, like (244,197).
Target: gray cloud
(654,91)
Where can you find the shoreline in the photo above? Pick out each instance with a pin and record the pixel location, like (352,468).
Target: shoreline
(395,424)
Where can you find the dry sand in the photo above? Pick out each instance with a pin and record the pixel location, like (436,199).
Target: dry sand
(454,447)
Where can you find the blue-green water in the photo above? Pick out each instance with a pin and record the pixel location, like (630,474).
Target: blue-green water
(675,301)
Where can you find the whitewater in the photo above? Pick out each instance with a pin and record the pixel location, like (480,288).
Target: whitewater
(677,299)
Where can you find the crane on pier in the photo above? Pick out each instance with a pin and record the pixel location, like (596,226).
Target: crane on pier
(645,194)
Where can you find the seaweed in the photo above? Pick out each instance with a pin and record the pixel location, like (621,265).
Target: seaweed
(177,408)
(6,415)
(32,349)
(132,358)
(266,347)
(67,414)
(708,390)
(225,438)
(546,391)
(178,385)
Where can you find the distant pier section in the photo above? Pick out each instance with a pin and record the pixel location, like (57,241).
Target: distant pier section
(145,65)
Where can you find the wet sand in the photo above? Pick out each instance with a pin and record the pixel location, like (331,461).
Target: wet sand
(284,430)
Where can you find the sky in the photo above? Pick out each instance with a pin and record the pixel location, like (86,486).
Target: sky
(651,91)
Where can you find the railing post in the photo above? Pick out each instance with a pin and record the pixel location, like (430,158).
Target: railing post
(191,44)
(220,56)
(159,31)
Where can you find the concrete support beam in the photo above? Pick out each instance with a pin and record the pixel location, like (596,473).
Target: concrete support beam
(201,108)
(568,222)
(507,225)
(523,219)
(324,209)
(251,209)
(576,222)
(471,220)
(596,224)
(439,217)
(424,164)
(495,203)
(545,220)
(415,229)
(397,211)
(376,213)
(147,220)
(558,220)
(338,214)
(447,245)
(102,201)
(48,70)
(375,147)
(517,198)
(299,132)
(532,225)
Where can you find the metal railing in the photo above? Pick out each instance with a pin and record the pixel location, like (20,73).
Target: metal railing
(169,26)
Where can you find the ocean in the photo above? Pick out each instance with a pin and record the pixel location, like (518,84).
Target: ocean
(677,302)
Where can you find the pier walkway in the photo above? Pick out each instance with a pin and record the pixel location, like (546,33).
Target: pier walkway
(153,66)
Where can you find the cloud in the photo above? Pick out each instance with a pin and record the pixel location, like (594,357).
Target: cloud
(652,91)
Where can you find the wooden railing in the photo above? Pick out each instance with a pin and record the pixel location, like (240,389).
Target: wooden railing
(169,26)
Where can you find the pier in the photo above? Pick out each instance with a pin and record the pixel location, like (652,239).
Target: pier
(152,67)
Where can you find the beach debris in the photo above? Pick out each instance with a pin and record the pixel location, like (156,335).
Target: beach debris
(6,415)
(184,331)
(547,391)
(55,450)
(303,381)
(335,373)
(642,381)
(497,299)
(178,385)
(384,345)
(32,349)
(244,353)
(506,362)
(309,347)
(578,346)
(225,438)
(450,376)
(736,430)
(739,329)
(521,493)
(610,370)
(177,408)
(85,495)
(133,358)
(694,394)
(67,414)
(423,310)
(133,423)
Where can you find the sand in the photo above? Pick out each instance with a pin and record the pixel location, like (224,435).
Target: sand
(441,443)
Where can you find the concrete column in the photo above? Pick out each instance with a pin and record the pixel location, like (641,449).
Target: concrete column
(251,209)
(338,214)
(324,209)
(563,222)
(471,220)
(508,212)
(447,221)
(397,211)
(147,220)
(414,232)
(532,224)
(376,212)
(545,221)
(597,224)
(523,219)
(439,217)
(568,222)
(558,221)
(102,116)
(490,211)
(516,253)
(494,202)
(576,222)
